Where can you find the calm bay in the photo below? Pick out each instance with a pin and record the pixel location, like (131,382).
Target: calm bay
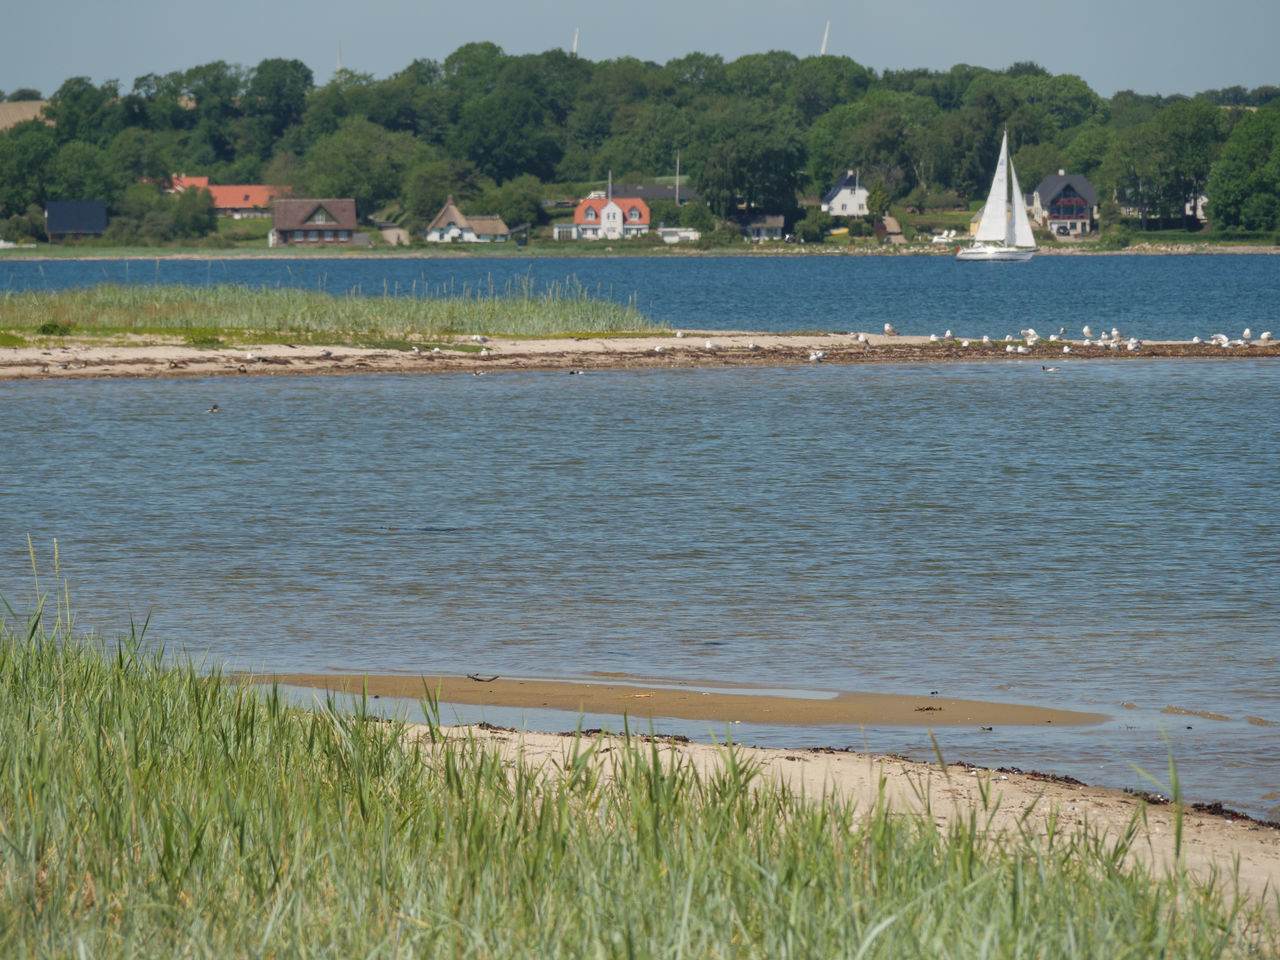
(1102,537)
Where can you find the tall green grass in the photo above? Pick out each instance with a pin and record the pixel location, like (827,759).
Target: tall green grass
(155,810)
(519,308)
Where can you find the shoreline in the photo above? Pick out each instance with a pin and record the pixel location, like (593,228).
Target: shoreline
(1215,840)
(772,249)
(1241,854)
(70,359)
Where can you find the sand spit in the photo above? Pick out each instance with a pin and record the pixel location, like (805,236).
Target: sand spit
(467,355)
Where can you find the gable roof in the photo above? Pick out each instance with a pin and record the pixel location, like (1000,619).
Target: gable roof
(449,213)
(850,180)
(244,195)
(1052,185)
(297,214)
(75,216)
(598,204)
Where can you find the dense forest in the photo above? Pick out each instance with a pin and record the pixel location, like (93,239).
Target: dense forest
(504,133)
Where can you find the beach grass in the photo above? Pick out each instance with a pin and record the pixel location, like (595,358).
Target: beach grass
(149,808)
(519,308)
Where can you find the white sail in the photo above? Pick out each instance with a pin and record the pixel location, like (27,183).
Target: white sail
(1020,234)
(1004,230)
(995,215)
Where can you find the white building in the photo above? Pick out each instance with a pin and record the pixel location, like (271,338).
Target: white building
(450,225)
(848,198)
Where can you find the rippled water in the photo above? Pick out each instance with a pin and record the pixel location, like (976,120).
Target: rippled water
(1152,297)
(1103,537)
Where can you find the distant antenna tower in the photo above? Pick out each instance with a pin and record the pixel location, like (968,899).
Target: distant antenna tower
(825,33)
(575,41)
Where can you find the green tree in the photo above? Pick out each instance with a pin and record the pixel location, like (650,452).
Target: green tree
(1247,175)
(26,152)
(81,111)
(276,96)
(359,160)
(517,201)
(24,94)
(507,133)
(81,171)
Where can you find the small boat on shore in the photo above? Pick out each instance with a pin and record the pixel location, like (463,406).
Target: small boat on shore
(1004,231)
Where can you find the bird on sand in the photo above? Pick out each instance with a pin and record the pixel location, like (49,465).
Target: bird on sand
(889,330)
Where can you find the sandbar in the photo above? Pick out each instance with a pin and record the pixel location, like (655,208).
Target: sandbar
(692,702)
(69,359)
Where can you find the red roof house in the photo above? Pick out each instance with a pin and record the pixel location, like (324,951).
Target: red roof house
(601,217)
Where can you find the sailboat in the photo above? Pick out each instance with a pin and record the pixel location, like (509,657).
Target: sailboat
(1004,232)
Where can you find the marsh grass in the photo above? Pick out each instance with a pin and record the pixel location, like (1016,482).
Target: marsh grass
(154,809)
(520,308)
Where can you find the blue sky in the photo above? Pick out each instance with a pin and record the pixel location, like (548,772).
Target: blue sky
(1151,46)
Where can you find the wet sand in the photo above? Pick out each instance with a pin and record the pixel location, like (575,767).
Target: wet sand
(73,360)
(691,702)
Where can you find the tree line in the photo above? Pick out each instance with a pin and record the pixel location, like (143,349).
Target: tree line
(762,131)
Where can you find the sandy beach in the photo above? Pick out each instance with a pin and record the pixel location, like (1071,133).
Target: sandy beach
(683,349)
(1214,839)
(1215,843)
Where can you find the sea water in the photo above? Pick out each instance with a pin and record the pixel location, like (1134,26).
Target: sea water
(1101,537)
(1150,297)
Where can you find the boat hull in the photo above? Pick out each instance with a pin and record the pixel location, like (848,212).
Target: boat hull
(994,254)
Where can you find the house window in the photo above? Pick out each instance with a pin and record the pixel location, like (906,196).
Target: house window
(328,236)
(299,236)
(633,214)
(342,236)
(590,214)
(321,217)
(313,235)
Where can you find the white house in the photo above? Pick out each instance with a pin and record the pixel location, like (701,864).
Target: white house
(848,198)
(602,216)
(450,225)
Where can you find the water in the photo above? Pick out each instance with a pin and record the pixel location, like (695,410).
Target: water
(1151,297)
(1100,538)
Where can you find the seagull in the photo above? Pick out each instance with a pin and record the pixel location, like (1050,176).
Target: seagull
(479,338)
(1024,349)
(1248,334)
(751,345)
(658,349)
(985,338)
(889,330)
(1066,349)
(1008,348)
(435,349)
(1087,332)
(1265,336)
(1196,340)
(964,343)
(933,338)
(862,338)
(947,335)
(680,334)
(712,346)
(416,350)
(1115,334)
(816,355)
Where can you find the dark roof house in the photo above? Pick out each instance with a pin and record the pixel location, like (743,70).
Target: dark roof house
(312,221)
(74,219)
(1066,203)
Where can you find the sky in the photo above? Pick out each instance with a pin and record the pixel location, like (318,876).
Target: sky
(1149,46)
